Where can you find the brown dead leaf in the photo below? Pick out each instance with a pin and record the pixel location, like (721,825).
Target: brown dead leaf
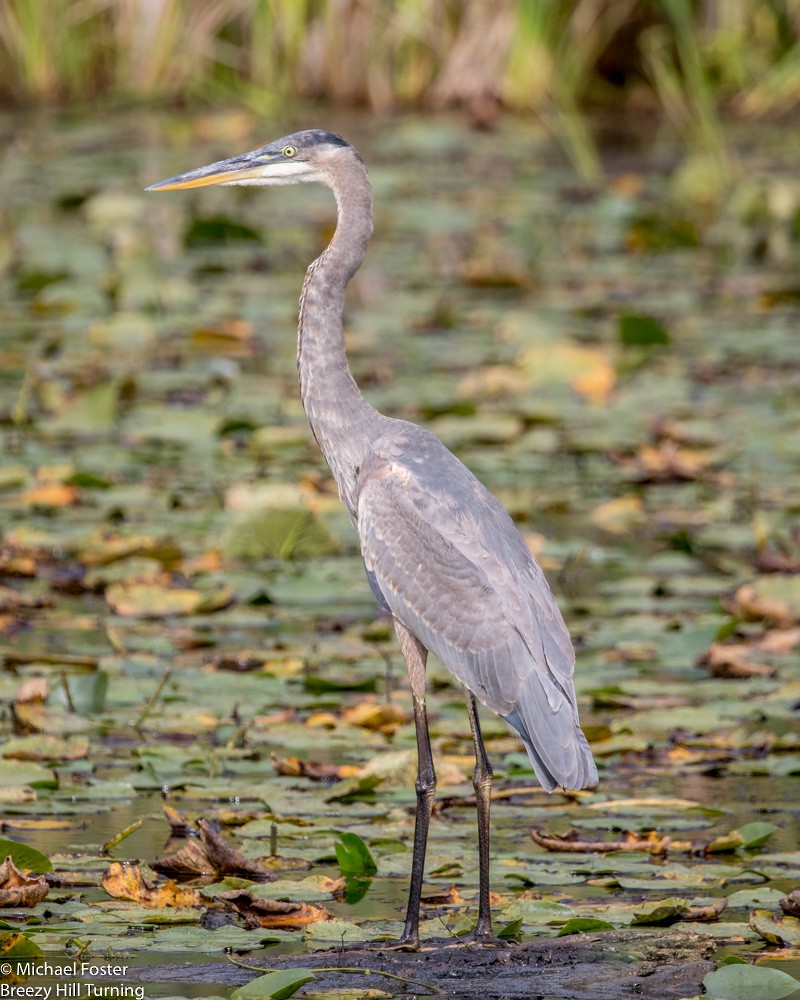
(668,462)
(230,336)
(18,889)
(212,855)
(731,661)
(450,898)
(129,882)
(779,640)
(790,904)
(752,605)
(13,600)
(273,913)
(705,913)
(296,768)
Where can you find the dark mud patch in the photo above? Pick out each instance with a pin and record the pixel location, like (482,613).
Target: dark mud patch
(607,966)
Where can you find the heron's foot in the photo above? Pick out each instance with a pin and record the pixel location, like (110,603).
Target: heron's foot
(403,944)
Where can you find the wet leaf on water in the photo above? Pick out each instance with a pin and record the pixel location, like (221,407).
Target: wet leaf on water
(512,931)
(584,925)
(745,982)
(14,773)
(778,929)
(588,371)
(641,331)
(219,229)
(274,986)
(353,855)
(355,788)
(17,947)
(661,911)
(278,533)
(24,857)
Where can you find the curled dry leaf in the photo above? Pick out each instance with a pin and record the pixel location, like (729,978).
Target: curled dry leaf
(212,855)
(18,889)
(774,599)
(706,913)
(730,661)
(129,882)
(274,913)
(790,904)
(296,768)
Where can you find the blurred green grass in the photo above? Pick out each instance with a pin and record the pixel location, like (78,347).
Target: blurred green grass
(629,63)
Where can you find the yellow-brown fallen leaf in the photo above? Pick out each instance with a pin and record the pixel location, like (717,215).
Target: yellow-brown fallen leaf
(381,718)
(49,747)
(273,913)
(449,898)
(730,661)
(322,720)
(296,768)
(18,889)
(50,495)
(618,516)
(129,882)
(667,462)
(152,600)
(39,823)
(590,372)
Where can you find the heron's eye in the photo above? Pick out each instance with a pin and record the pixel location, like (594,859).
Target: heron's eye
(290,150)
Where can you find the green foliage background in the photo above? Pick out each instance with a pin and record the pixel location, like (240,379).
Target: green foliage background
(635,61)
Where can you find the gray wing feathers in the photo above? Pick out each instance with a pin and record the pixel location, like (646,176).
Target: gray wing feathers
(451,565)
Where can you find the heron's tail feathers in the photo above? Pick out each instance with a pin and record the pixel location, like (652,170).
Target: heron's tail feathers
(560,757)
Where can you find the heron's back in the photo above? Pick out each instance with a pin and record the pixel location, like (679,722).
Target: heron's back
(448,561)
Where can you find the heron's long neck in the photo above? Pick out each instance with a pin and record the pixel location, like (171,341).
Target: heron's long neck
(342,421)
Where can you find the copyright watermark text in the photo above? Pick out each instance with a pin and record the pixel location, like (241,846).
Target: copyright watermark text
(74,985)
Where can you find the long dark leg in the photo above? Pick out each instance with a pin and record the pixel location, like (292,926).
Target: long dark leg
(482,783)
(415,655)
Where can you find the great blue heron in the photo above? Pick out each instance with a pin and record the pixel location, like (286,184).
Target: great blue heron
(442,555)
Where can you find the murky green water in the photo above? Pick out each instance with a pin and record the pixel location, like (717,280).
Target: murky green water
(147,373)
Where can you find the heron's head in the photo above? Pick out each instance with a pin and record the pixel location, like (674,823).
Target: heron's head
(302,156)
